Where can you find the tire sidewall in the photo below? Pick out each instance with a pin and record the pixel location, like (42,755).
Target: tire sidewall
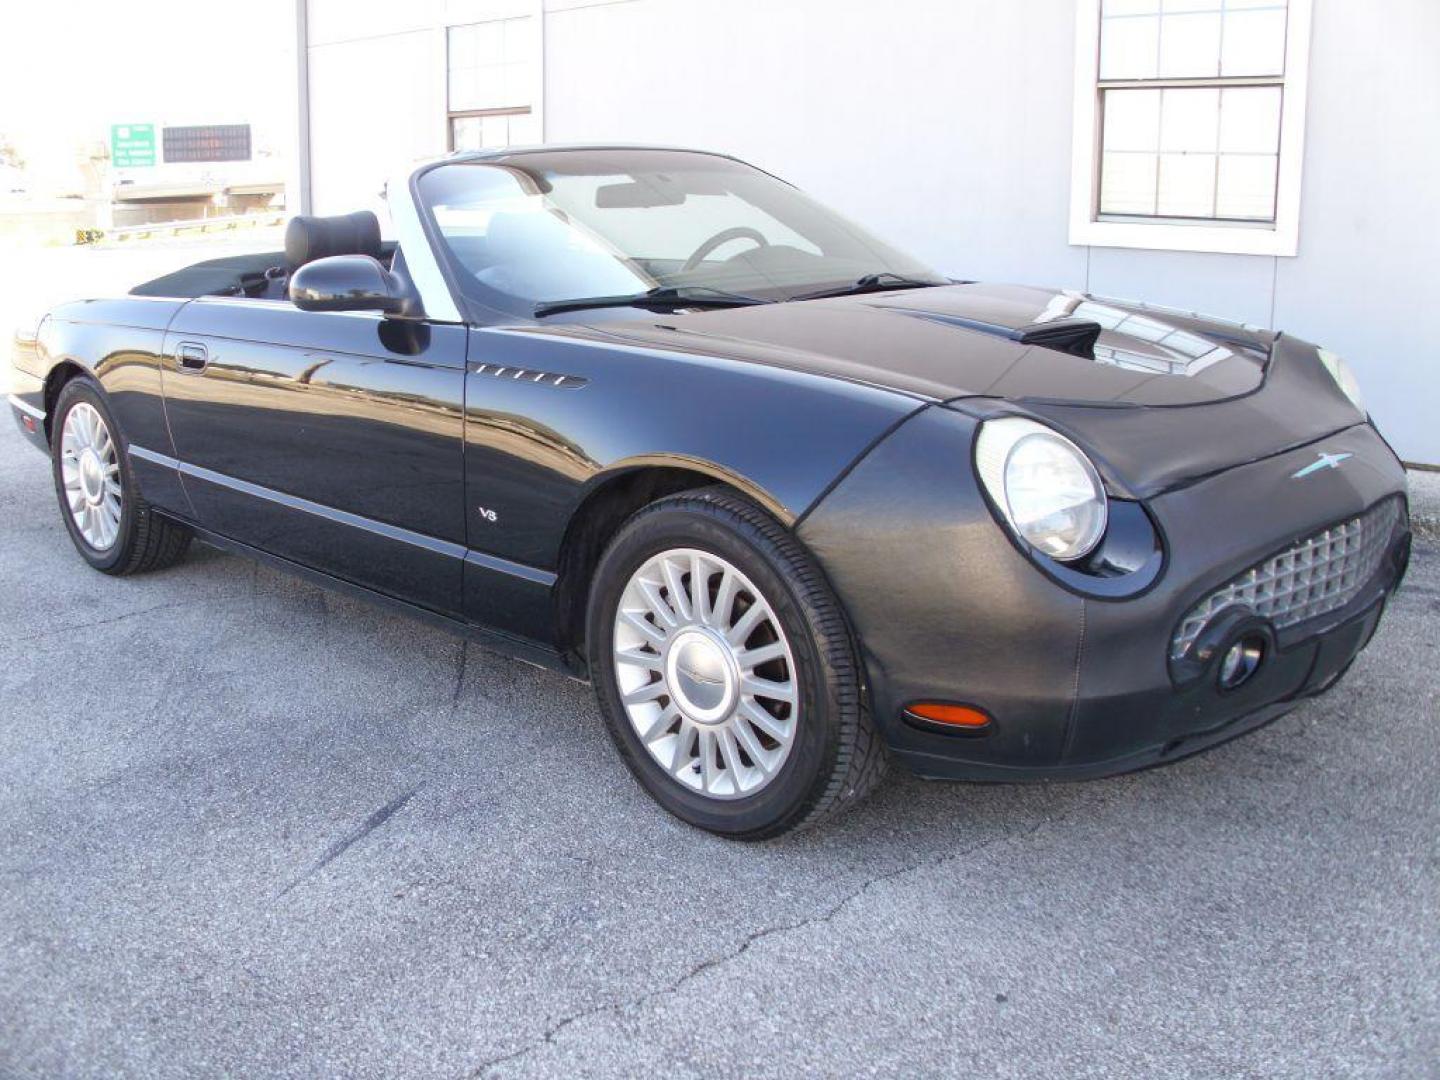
(802,779)
(79,390)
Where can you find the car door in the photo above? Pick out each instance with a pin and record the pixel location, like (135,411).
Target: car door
(334,440)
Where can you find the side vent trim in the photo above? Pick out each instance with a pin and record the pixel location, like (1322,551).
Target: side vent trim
(546,378)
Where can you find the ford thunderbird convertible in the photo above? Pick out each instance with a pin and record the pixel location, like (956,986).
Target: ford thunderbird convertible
(795,504)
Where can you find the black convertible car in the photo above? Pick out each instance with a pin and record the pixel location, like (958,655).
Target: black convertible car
(795,503)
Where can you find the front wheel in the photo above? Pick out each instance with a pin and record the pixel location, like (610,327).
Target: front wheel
(112,527)
(725,669)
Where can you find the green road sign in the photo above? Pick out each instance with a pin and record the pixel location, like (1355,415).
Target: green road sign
(132,145)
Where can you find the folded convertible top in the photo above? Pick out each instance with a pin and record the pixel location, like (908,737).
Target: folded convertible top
(260,275)
(233,275)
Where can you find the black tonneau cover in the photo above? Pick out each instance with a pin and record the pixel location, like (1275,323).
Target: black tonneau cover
(259,275)
(233,275)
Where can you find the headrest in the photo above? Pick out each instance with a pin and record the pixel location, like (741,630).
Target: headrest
(311,238)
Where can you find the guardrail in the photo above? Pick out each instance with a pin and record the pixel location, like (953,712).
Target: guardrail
(190,227)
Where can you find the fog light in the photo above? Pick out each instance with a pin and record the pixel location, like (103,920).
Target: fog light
(1241,661)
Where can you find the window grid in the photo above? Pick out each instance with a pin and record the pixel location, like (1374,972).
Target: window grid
(490,65)
(1256,202)
(490,68)
(485,129)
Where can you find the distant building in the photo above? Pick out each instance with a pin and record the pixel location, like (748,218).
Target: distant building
(177,171)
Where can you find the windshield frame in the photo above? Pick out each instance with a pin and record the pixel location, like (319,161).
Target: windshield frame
(478,313)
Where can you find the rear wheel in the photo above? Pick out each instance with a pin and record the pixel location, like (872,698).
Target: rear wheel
(725,670)
(112,527)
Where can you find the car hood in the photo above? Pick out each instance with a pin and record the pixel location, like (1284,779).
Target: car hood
(1160,397)
(972,341)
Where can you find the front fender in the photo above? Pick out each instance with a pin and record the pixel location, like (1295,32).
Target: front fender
(944,605)
(549,418)
(118,343)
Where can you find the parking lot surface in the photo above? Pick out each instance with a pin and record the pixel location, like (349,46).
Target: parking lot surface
(249,827)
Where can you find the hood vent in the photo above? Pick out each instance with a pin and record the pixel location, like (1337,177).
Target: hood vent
(1074,336)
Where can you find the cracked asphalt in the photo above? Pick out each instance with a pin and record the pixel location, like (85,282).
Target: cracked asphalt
(251,828)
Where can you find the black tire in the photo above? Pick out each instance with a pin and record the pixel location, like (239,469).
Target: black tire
(837,757)
(145,540)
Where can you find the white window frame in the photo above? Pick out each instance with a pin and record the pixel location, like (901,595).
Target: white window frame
(472,12)
(1280,238)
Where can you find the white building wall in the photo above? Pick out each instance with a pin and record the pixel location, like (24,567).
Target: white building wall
(945,125)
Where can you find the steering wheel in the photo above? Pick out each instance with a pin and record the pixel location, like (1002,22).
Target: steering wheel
(739,232)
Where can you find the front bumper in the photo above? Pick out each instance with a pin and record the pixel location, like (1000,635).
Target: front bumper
(1081,686)
(1126,732)
(27,390)
(27,406)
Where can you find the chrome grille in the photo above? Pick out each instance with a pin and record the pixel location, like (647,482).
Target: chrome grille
(1321,573)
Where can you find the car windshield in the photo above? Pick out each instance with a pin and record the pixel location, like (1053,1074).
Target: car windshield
(532,229)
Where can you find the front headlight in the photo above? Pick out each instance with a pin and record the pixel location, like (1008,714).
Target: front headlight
(1343,376)
(1045,486)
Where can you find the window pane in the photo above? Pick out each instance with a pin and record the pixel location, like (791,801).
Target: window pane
(489,42)
(1132,120)
(1187,185)
(1130,7)
(1127,184)
(1246,188)
(491,132)
(1190,46)
(1130,47)
(1250,119)
(519,40)
(1254,43)
(1191,5)
(494,132)
(465,132)
(1190,119)
(492,64)
(463,49)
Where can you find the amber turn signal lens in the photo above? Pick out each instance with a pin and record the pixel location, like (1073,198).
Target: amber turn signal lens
(959,716)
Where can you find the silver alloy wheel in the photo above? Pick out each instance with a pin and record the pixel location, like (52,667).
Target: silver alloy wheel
(705,673)
(90,470)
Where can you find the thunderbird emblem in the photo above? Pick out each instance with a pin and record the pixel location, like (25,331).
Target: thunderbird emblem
(1325,461)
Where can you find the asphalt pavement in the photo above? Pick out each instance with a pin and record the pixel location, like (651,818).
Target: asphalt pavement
(251,828)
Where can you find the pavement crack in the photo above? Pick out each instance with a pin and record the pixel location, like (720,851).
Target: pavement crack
(346,842)
(820,917)
(460,673)
(97,622)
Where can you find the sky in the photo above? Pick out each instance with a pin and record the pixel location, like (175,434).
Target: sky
(71,68)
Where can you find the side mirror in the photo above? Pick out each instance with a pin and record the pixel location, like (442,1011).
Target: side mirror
(353,283)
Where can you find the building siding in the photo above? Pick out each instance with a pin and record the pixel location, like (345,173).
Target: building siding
(945,125)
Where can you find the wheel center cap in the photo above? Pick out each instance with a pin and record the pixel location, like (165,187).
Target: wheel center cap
(702,676)
(92,476)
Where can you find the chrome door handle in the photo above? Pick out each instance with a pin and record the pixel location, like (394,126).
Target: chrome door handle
(194,357)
